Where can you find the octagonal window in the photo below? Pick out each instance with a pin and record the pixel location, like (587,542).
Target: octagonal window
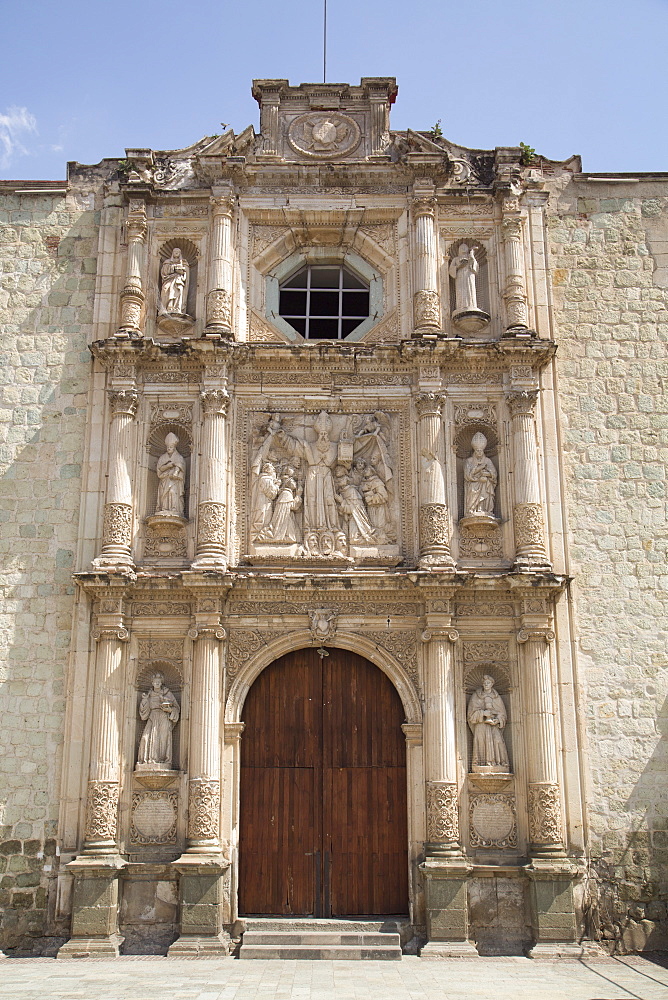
(324,301)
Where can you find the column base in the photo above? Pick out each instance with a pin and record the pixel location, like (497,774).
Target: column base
(553,917)
(586,949)
(217,563)
(217,333)
(92,947)
(201,946)
(446,899)
(114,564)
(443,564)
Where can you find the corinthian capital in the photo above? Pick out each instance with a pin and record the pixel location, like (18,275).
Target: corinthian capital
(428,403)
(424,205)
(522,401)
(123,401)
(512,228)
(137,219)
(215,400)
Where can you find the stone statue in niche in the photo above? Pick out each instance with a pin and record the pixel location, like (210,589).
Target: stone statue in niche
(175,274)
(159,709)
(487,717)
(171,472)
(480,478)
(464,270)
(321,485)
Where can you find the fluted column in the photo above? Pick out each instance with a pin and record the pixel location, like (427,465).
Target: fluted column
(219,295)
(132,296)
(117,530)
(434,514)
(514,291)
(426,300)
(105,759)
(527,509)
(545,822)
(212,511)
(380,123)
(204,752)
(440,742)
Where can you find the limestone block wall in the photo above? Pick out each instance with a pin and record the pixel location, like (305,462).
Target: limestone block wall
(610,288)
(48,246)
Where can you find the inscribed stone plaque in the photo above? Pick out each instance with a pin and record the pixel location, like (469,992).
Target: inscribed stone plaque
(492,821)
(154,817)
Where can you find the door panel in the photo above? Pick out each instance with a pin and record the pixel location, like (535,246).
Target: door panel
(323,790)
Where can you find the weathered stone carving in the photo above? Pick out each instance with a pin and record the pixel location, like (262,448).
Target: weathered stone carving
(322,623)
(480,479)
(171,472)
(487,717)
(442,812)
(117,524)
(492,821)
(322,488)
(528,521)
(175,274)
(211,524)
(427,307)
(203,809)
(242,643)
(154,816)
(545,814)
(159,709)
(165,540)
(324,135)
(102,809)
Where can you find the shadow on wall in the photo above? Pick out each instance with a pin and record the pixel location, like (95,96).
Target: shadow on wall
(49,246)
(628,899)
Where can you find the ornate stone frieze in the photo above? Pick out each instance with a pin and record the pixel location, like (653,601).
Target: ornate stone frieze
(442,812)
(484,609)
(341,607)
(154,817)
(101,810)
(545,826)
(211,524)
(203,809)
(178,413)
(492,821)
(469,413)
(165,541)
(485,651)
(161,649)
(159,609)
(476,544)
(171,376)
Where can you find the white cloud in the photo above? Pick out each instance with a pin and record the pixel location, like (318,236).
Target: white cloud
(15,124)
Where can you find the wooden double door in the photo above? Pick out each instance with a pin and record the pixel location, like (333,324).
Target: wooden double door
(323,826)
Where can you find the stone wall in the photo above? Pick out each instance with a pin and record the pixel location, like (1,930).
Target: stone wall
(48,246)
(610,288)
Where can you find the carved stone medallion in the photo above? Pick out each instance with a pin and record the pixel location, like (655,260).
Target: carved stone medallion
(324,135)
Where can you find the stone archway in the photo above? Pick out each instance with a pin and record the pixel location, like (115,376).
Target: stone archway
(323,812)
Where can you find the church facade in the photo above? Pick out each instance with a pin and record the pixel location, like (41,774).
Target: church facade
(334,489)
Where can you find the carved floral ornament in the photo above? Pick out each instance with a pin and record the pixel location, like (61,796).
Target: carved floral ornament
(214,401)
(522,401)
(102,809)
(123,401)
(442,812)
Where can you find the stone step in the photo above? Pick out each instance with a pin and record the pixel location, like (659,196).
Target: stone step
(254,937)
(313,938)
(334,952)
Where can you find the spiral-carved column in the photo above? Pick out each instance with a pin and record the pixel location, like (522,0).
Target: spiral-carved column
(527,509)
(545,821)
(514,291)
(204,752)
(440,743)
(426,300)
(105,760)
(434,514)
(212,512)
(219,295)
(117,530)
(132,296)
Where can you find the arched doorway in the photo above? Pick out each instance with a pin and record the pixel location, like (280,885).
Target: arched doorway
(323,790)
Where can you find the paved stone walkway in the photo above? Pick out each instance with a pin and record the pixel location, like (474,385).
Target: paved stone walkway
(139,978)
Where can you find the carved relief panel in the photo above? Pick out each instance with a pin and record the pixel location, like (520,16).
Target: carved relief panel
(323,486)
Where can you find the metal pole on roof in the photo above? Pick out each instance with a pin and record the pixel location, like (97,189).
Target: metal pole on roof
(324,42)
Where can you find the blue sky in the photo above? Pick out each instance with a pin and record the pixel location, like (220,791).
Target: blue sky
(81,81)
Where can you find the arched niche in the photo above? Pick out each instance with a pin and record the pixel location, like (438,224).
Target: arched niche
(482,277)
(155,446)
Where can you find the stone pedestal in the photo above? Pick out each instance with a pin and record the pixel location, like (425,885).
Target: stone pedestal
(447,909)
(95,908)
(553,919)
(201,902)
